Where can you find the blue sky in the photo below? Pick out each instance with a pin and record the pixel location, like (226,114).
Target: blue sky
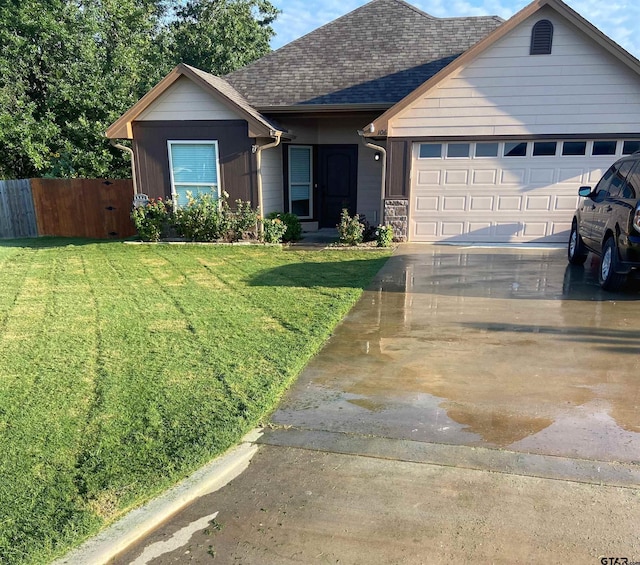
(619,19)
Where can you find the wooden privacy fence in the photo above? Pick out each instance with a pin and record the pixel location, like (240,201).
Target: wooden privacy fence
(17,216)
(92,208)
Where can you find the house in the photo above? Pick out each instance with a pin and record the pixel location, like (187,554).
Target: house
(451,129)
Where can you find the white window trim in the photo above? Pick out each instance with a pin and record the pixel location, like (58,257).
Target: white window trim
(170,143)
(310,147)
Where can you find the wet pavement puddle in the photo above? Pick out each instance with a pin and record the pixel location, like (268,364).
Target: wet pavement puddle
(494,348)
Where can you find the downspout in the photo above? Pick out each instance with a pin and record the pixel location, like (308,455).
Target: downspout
(383,184)
(258,151)
(133,165)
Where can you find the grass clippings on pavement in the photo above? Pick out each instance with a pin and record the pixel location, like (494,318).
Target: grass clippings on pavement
(123,368)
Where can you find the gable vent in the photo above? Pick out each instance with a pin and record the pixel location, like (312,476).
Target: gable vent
(541,38)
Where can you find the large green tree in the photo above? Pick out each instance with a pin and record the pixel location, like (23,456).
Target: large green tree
(68,68)
(220,36)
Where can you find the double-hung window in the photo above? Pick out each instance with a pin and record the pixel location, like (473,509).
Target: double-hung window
(301,180)
(194,168)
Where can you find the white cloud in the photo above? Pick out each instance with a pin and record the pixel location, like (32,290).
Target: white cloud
(616,18)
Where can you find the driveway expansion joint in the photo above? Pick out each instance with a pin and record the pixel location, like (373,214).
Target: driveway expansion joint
(553,467)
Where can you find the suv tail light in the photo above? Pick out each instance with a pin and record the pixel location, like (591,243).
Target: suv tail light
(636,218)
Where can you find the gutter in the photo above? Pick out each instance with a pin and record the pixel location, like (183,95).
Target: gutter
(324,108)
(257,149)
(133,164)
(383,183)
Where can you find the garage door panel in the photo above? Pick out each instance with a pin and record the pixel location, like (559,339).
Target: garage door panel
(427,203)
(425,229)
(452,228)
(535,229)
(454,203)
(509,203)
(481,203)
(507,229)
(562,229)
(513,176)
(538,203)
(566,204)
(456,177)
(480,227)
(570,176)
(542,176)
(484,176)
(427,178)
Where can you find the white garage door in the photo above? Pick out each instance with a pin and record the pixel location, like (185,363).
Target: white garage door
(503,191)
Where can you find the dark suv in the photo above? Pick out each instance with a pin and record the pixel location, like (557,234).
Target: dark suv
(608,223)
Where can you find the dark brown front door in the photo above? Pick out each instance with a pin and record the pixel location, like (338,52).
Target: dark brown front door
(337,182)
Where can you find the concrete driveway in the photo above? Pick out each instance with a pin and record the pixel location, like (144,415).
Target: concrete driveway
(477,405)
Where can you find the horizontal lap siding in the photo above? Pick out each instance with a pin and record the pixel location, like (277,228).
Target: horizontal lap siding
(185,100)
(579,88)
(237,163)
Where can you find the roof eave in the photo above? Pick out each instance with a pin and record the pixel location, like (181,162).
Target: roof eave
(122,128)
(324,108)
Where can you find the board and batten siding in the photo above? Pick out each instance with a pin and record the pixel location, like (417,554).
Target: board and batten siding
(272,180)
(578,89)
(185,100)
(237,161)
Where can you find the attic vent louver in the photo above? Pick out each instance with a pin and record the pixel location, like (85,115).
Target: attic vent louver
(541,38)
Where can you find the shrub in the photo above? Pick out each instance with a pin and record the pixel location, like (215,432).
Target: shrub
(243,220)
(369,231)
(350,229)
(207,218)
(204,218)
(273,230)
(384,236)
(294,227)
(153,219)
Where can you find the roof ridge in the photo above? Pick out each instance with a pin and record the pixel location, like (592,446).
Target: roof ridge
(414,8)
(401,2)
(487,17)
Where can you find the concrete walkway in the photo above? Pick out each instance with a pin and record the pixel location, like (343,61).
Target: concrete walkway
(475,406)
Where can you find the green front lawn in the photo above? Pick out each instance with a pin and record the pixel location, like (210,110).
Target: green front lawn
(125,367)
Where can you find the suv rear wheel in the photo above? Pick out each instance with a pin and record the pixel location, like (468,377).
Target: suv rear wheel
(576,251)
(609,279)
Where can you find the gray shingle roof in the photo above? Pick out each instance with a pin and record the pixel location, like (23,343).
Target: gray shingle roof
(378,53)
